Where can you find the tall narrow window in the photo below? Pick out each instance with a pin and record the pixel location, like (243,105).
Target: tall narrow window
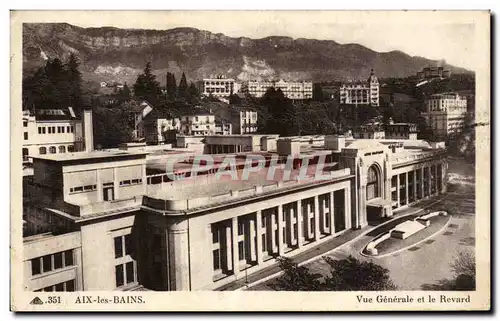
(372,189)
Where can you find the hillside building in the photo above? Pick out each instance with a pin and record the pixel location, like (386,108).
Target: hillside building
(56,131)
(360,92)
(445,114)
(291,89)
(218,86)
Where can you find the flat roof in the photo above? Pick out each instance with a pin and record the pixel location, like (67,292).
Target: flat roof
(88,155)
(210,185)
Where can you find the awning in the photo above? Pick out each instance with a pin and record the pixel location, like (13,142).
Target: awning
(379,202)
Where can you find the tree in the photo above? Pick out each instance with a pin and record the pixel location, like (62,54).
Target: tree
(295,277)
(317,92)
(111,127)
(464,279)
(183,86)
(74,82)
(147,87)
(124,94)
(348,274)
(171,85)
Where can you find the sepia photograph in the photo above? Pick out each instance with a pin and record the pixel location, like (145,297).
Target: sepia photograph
(255,154)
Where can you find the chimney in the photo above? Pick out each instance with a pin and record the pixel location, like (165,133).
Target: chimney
(335,142)
(88,132)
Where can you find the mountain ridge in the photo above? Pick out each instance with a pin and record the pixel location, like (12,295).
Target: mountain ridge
(115,54)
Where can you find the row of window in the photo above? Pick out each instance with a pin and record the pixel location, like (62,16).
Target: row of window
(68,286)
(51,262)
(131,182)
(52,129)
(85,188)
(52,149)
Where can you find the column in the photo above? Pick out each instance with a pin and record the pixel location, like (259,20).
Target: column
(429,185)
(300,228)
(316,218)
(228,244)
(281,247)
(116,184)
(415,185)
(99,186)
(236,258)
(324,216)
(397,190)
(436,179)
(406,189)
(332,212)
(271,230)
(178,253)
(258,223)
(290,226)
(422,182)
(252,235)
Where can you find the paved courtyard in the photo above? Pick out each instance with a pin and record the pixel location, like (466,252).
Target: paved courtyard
(429,261)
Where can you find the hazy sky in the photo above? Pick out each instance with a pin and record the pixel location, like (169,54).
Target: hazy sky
(435,35)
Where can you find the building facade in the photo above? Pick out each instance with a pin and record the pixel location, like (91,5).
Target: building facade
(218,86)
(197,124)
(445,114)
(56,131)
(291,89)
(128,222)
(433,72)
(360,92)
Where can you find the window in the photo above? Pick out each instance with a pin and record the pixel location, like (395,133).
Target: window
(53,129)
(51,262)
(118,247)
(25,135)
(39,130)
(119,275)
(125,273)
(216,259)
(42,150)
(62,149)
(62,129)
(52,149)
(67,129)
(372,183)
(25,123)
(123,245)
(25,154)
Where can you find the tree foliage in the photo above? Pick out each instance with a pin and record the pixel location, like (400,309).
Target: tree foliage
(348,274)
(183,86)
(147,87)
(111,127)
(56,85)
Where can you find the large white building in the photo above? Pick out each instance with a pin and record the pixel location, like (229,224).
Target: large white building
(291,89)
(445,114)
(360,92)
(56,131)
(218,86)
(122,220)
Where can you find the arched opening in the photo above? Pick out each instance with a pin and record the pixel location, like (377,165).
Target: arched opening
(42,150)
(372,183)
(62,149)
(25,154)
(71,149)
(52,149)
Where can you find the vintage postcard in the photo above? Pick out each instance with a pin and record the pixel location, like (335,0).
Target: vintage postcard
(250,160)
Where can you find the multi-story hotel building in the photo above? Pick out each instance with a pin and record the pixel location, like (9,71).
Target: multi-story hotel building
(218,86)
(291,89)
(56,131)
(433,72)
(121,220)
(360,92)
(445,114)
